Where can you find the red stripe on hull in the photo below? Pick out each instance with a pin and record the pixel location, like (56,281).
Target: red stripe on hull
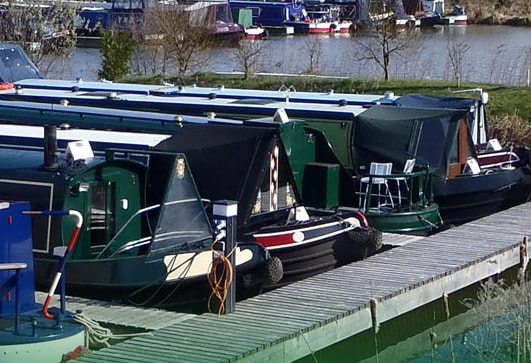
(278,240)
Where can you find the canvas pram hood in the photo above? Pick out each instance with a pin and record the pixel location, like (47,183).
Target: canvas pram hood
(15,64)
(230,161)
(395,134)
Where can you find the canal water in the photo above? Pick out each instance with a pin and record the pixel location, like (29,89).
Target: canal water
(476,325)
(492,54)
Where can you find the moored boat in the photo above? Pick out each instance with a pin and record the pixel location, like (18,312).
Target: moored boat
(212,16)
(128,205)
(251,152)
(273,14)
(336,121)
(441,139)
(413,215)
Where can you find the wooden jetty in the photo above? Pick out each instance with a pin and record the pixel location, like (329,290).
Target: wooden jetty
(292,322)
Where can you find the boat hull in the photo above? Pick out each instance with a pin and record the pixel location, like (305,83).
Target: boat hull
(170,282)
(300,262)
(419,222)
(467,198)
(318,246)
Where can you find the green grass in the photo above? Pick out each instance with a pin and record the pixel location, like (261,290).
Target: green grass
(503,100)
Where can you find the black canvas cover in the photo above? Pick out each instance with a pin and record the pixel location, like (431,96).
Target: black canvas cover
(15,64)
(476,110)
(395,134)
(229,161)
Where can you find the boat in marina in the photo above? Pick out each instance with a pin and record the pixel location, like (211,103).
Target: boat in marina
(262,208)
(214,16)
(252,166)
(128,249)
(455,17)
(440,139)
(285,97)
(322,12)
(337,122)
(273,14)
(245,19)
(29,332)
(420,216)
(424,15)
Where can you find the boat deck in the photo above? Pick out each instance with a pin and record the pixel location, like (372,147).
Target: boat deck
(291,322)
(122,315)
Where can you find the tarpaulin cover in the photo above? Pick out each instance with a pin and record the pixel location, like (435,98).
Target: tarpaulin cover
(15,64)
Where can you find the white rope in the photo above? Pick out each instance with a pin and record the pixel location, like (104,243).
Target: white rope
(98,335)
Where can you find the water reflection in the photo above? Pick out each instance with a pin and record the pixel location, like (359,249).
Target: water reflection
(496,54)
(485,323)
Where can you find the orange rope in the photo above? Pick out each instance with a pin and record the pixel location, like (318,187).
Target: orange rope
(219,278)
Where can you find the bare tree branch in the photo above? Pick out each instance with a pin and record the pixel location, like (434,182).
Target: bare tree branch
(43,30)
(383,39)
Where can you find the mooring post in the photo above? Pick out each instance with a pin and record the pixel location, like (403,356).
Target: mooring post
(524,260)
(227,210)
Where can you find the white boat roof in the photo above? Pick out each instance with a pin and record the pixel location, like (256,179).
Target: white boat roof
(220,92)
(83,111)
(269,107)
(115,137)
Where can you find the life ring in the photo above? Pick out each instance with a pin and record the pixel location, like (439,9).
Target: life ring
(6,85)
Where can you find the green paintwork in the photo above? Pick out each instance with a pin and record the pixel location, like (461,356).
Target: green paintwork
(107,194)
(325,182)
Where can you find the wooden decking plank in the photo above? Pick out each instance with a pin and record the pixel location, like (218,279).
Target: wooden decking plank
(210,348)
(215,346)
(165,353)
(258,336)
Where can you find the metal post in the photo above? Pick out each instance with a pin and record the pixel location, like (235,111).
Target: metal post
(228,210)
(17,301)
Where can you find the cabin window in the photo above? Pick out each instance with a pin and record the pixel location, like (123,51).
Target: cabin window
(102,211)
(461,150)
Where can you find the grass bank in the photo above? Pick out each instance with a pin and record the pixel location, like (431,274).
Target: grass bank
(508,105)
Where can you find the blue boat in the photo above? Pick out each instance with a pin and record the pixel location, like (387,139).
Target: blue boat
(214,15)
(271,14)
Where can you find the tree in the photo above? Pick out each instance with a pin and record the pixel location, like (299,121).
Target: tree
(116,49)
(456,55)
(181,32)
(248,54)
(383,39)
(314,50)
(43,31)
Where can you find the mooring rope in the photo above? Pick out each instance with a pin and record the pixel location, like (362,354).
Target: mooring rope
(220,278)
(98,335)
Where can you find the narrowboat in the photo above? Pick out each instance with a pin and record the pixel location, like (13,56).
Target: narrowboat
(441,139)
(230,162)
(402,215)
(130,247)
(214,15)
(273,14)
(336,121)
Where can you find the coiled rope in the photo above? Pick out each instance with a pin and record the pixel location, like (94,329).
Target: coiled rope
(98,335)
(219,278)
